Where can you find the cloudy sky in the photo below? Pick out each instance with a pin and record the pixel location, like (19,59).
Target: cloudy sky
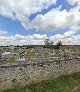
(30,22)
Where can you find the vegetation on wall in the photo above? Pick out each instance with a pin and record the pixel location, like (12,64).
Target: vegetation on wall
(65,83)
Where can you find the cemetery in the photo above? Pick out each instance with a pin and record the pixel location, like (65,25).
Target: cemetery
(27,65)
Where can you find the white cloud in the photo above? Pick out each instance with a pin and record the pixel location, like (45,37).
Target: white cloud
(68,38)
(72,2)
(3,33)
(38,39)
(35,39)
(73,31)
(56,19)
(53,20)
(72,40)
(22,9)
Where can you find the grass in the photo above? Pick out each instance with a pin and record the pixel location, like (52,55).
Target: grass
(65,83)
(11,60)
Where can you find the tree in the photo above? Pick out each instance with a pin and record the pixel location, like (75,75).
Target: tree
(0,55)
(59,43)
(48,43)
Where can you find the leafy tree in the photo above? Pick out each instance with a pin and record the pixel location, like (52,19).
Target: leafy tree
(59,43)
(48,42)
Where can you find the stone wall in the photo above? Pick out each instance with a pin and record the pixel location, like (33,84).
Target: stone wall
(21,74)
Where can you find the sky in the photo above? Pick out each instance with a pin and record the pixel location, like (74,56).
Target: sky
(30,22)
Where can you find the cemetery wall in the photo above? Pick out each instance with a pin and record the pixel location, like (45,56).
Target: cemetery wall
(12,75)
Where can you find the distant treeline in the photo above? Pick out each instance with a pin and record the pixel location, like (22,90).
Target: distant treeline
(35,46)
(43,46)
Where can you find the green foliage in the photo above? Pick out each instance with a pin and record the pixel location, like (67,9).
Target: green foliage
(48,42)
(11,60)
(65,83)
(57,46)
(59,43)
(0,55)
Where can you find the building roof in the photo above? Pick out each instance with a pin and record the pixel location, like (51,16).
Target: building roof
(70,47)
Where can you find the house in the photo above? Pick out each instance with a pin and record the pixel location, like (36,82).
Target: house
(70,47)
